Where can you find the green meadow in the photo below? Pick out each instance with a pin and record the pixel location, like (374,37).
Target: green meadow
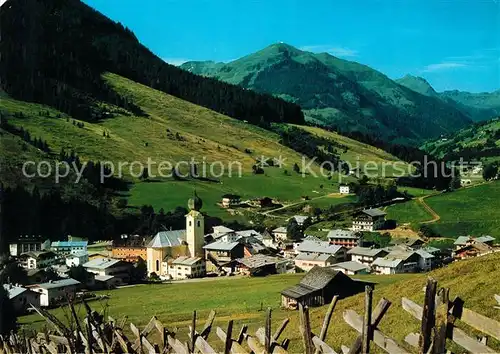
(245,300)
(408,212)
(468,211)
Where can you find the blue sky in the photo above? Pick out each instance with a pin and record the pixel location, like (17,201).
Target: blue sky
(453,44)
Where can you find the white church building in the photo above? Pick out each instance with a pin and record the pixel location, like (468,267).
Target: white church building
(179,254)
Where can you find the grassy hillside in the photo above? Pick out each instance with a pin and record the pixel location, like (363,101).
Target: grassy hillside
(471,280)
(470,211)
(175,130)
(340,93)
(482,140)
(409,212)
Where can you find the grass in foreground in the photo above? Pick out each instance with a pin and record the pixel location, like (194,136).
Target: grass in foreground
(241,299)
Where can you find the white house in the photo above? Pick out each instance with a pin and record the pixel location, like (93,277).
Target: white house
(21,298)
(230,200)
(76,259)
(346,238)
(185,267)
(320,253)
(366,255)
(37,259)
(369,220)
(109,266)
(307,261)
(344,189)
(280,234)
(55,290)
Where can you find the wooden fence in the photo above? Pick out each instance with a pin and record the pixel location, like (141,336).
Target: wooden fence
(97,334)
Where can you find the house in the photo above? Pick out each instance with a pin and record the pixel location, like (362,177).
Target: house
(319,286)
(25,244)
(129,253)
(107,282)
(35,276)
(318,253)
(463,241)
(366,255)
(402,259)
(268,239)
(21,298)
(312,246)
(369,220)
(76,259)
(264,202)
(344,189)
(109,266)
(179,243)
(219,255)
(280,234)
(473,249)
(67,247)
(301,219)
(37,259)
(351,268)
(55,291)
(345,238)
(185,267)
(230,200)
(100,254)
(260,265)
(306,261)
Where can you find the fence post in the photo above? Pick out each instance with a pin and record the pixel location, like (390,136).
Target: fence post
(367,321)
(428,316)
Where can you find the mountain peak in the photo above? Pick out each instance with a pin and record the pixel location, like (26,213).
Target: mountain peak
(417,84)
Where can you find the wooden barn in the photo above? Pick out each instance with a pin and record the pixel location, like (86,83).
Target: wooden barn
(319,286)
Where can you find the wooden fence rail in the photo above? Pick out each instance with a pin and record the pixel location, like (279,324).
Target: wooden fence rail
(100,334)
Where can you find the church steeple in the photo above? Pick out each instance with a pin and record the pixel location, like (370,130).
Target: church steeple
(195,227)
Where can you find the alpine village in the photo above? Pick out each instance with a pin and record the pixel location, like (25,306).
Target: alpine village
(298,201)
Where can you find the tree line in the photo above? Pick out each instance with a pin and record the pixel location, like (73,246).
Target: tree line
(56,51)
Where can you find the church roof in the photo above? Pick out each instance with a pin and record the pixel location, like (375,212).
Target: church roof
(171,238)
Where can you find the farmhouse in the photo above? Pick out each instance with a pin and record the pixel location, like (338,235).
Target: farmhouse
(178,243)
(185,267)
(268,239)
(230,200)
(280,234)
(260,265)
(306,261)
(463,241)
(318,253)
(366,255)
(403,260)
(219,255)
(345,238)
(27,243)
(37,259)
(54,291)
(77,259)
(319,286)
(351,268)
(108,266)
(473,249)
(344,189)
(21,298)
(369,220)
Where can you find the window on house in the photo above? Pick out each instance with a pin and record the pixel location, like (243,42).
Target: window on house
(157,265)
(198,223)
(190,223)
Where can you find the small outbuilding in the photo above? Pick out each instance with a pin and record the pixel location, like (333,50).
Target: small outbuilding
(319,286)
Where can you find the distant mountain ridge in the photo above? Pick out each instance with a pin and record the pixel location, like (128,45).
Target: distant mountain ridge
(342,94)
(479,106)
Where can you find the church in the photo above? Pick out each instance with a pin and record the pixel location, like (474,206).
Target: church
(179,254)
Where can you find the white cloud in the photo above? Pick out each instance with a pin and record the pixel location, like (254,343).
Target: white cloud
(331,49)
(176,61)
(443,66)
